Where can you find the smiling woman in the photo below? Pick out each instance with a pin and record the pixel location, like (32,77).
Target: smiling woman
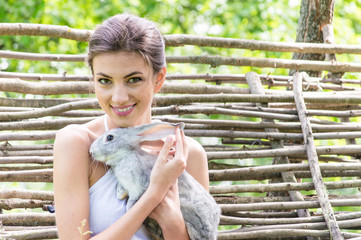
(125,92)
(127,60)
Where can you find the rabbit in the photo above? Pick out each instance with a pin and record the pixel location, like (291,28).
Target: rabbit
(120,149)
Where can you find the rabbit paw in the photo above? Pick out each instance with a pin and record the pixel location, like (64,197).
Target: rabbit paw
(121,192)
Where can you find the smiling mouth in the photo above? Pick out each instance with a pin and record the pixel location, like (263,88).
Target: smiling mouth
(123,111)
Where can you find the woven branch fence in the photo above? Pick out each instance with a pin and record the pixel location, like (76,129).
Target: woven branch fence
(284,151)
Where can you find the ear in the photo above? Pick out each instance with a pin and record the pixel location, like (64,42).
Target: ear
(157,131)
(160,78)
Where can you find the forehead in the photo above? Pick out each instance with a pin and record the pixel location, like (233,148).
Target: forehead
(120,63)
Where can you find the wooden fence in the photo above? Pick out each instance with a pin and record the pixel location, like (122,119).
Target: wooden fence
(283,151)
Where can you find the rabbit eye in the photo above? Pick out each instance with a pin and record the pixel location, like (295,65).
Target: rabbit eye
(110,138)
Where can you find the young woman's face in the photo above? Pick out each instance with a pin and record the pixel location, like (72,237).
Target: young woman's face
(125,85)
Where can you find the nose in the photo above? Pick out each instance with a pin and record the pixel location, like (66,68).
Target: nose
(120,94)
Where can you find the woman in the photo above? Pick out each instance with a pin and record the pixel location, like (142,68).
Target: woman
(127,59)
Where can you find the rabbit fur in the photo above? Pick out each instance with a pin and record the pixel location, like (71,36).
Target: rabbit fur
(120,149)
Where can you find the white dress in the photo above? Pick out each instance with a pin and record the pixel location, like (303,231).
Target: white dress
(105,207)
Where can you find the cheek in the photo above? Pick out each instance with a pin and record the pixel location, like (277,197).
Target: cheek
(101,93)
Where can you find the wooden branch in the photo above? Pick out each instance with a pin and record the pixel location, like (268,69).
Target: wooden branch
(235,174)
(25,168)
(345,159)
(26,228)
(43,57)
(268,135)
(332,131)
(27,219)
(32,136)
(262,234)
(285,205)
(315,101)
(51,110)
(10,147)
(313,160)
(27,29)
(27,194)
(32,234)
(309,86)
(260,125)
(287,151)
(253,98)
(269,80)
(44,76)
(44,88)
(195,88)
(277,175)
(36,103)
(71,87)
(26,153)
(255,86)
(318,112)
(288,214)
(265,78)
(176,40)
(43,175)
(276,187)
(180,110)
(9,204)
(243,134)
(27,159)
(226,220)
(72,114)
(53,124)
(215,61)
(235,199)
(314,226)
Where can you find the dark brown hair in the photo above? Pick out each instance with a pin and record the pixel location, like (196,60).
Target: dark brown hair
(128,33)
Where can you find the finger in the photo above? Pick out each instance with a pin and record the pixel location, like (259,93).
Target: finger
(174,187)
(185,145)
(179,143)
(163,154)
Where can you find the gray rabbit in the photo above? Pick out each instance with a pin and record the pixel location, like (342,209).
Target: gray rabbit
(120,149)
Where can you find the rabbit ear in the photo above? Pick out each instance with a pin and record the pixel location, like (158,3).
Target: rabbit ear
(157,131)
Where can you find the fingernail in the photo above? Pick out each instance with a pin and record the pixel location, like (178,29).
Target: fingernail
(169,139)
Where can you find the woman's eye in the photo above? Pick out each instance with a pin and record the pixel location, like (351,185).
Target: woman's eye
(134,80)
(104,81)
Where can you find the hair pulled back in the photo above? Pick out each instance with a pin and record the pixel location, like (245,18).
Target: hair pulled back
(126,32)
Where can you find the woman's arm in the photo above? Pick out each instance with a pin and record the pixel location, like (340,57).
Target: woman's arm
(71,188)
(168,213)
(197,164)
(71,171)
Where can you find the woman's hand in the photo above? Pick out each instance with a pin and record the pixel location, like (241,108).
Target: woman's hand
(169,206)
(169,216)
(167,169)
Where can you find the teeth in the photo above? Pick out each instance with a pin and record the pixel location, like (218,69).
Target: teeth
(123,109)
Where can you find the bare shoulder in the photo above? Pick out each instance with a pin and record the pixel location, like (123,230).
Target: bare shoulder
(71,147)
(195,148)
(197,164)
(72,134)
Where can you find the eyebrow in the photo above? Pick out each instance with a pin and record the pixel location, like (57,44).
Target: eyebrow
(132,73)
(126,76)
(103,74)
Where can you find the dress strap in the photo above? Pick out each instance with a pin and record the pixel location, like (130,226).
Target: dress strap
(106,123)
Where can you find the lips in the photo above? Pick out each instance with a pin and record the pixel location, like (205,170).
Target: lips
(123,110)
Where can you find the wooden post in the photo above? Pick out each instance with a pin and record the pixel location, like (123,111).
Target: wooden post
(256,87)
(313,159)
